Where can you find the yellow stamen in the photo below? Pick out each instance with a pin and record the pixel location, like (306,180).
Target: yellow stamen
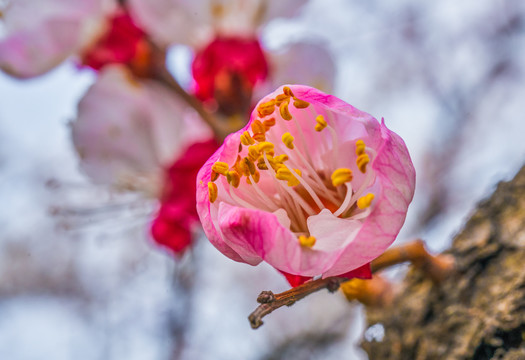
(220,167)
(259,137)
(361,161)
(307,241)
(364,201)
(288,140)
(300,104)
(256,176)
(253,153)
(265,146)
(213,191)
(320,123)
(281,158)
(248,166)
(283,173)
(258,127)
(360,147)
(283,110)
(341,176)
(246,139)
(269,123)
(280,98)
(234,179)
(287,91)
(214,175)
(266,108)
(261,164)
(298,172)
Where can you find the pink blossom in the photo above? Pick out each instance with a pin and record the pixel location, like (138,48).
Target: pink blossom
(196,22)
(228,63)
(135,135)
(39,35)
(312,186)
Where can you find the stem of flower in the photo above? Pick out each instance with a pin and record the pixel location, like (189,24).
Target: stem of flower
(160,73)
(165,77)
(270,301)
(436,268)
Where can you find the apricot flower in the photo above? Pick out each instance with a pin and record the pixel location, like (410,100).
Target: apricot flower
(312,186)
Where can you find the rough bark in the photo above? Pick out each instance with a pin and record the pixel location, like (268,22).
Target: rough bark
(479,311)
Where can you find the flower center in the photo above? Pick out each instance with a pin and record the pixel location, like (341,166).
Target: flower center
(282,170)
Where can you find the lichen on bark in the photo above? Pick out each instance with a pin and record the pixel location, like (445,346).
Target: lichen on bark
(479,311)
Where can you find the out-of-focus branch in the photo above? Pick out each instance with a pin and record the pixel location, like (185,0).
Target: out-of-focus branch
(160,73)
(436,267)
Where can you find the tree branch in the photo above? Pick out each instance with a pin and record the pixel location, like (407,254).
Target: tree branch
(270,301)
(436,267)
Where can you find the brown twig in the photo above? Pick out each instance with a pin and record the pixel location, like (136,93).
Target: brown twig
(436,267)
(270,301)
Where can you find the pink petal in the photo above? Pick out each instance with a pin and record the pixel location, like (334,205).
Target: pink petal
(56,30)
(396,173)
(127,128)
(167,21)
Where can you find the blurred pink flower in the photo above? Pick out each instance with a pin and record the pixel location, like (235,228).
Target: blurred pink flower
(136,135)
(227,60)
(39,35)
(312,186)
(230,63)
(177,216)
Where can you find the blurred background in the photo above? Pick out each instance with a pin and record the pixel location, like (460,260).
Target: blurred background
(79,276)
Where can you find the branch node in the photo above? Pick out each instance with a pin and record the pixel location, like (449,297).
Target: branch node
(266,297)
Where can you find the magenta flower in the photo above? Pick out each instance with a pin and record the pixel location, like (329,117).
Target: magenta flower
(312,186)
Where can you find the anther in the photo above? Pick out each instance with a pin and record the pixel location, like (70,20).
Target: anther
(248,165)
(361,161)
(320,123)
(287,91)
(258,127)
(307,241)
(288,140)
(234,179)
(220,167)
(341,176)
(213,191)
(300,104)
(280,98)
(253,152)
(359,147)
(261,164)
(246,139)
(266,108)
(281,158)
(265,146)
(214,175)
(256,176)
(269,123)
(259,137)
(364,201)
(283,110)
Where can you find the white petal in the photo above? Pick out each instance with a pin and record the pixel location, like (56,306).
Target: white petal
(169,21)
(38,35)
(128,129)
(332,233)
